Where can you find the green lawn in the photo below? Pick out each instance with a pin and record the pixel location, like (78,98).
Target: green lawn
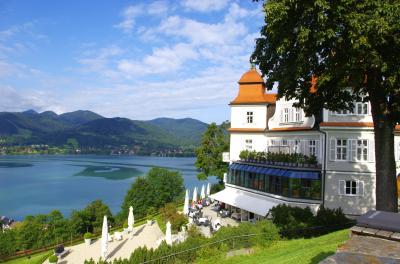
(35,259)
(296,251)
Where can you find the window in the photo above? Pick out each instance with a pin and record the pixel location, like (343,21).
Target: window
(296,147)
(286,115)
(362,149)
(249,117)
(341,149)
(312,147)
(297,114)
(351,188)
(249,144)
(361,108)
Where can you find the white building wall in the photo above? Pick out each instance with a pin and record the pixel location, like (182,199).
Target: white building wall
(238,143)
(239,116)
(279,121)
(350,204)
(351,164)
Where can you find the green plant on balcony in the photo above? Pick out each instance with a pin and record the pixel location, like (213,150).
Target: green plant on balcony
(244,154)
(279,158)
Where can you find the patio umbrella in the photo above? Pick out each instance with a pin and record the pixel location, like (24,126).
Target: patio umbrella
(194,196)
(104,238)
(202,193)
(131,219)
(186,204)
(168,235)
(208,189)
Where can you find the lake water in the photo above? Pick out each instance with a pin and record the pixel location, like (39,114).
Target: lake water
(39,184)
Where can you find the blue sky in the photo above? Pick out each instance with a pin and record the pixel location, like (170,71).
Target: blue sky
(135,59)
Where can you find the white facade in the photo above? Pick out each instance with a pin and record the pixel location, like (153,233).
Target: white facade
(342,142)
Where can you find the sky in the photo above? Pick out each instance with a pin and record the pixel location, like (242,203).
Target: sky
(134,59)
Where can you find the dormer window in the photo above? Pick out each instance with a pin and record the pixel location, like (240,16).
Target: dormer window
(362,108)
(286,115)
(297,114)
(249,117)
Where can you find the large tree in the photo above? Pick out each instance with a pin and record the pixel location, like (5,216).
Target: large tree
(353,49)
(214,142)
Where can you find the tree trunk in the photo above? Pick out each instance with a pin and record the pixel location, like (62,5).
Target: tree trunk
(386,187)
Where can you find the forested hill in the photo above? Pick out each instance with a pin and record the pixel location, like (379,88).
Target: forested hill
(90,132)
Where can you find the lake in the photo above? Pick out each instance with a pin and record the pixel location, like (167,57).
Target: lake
(41,183)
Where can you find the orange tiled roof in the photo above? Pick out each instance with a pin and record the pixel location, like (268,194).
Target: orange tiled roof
(352,124)
(251,76)
(256,98)
(290,128)
(246,130)
(348,124)
(313,88)
(252,90)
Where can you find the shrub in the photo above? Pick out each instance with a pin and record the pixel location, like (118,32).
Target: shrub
(217,187)
(88,235)
(169,213)
(53,259)
(300,222)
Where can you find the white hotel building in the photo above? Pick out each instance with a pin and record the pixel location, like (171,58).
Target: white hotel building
(343,144)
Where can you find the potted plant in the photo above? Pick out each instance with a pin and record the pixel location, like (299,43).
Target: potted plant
(53,259)
(88,238)
(313,161)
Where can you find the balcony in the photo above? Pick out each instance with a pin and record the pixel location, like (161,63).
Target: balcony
(280,158)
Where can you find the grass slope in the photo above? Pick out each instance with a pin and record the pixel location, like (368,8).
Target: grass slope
(35,259)
(297,251)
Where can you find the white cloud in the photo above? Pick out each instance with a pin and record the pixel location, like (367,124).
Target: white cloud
(162,60)
(205,5)
(158,8)
(129,14)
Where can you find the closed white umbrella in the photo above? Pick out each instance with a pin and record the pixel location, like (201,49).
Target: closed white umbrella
(208,189)
(168,234)
(202,193)
(186,204)
(194,201)
(104,239)
(131,219)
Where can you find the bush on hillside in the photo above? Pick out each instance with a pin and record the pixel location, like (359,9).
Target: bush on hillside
(266,234)
(53,259)
(301,222)
(158,187)
(169,213)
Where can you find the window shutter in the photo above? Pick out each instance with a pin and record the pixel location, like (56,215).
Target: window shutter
(282,114)
(304,147)
(291,114)
(360,188)
(353,150)
(300,115)
(342,185)
(371,151)
(332,149)
(317,150)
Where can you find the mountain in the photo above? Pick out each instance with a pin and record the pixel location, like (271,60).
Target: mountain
(79,117)
(186,128)
(92,132)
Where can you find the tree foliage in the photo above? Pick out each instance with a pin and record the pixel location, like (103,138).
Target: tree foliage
(351,47)
(214,142)
(158,187)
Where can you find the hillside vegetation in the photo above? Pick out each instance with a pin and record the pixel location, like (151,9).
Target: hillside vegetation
(89,131)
